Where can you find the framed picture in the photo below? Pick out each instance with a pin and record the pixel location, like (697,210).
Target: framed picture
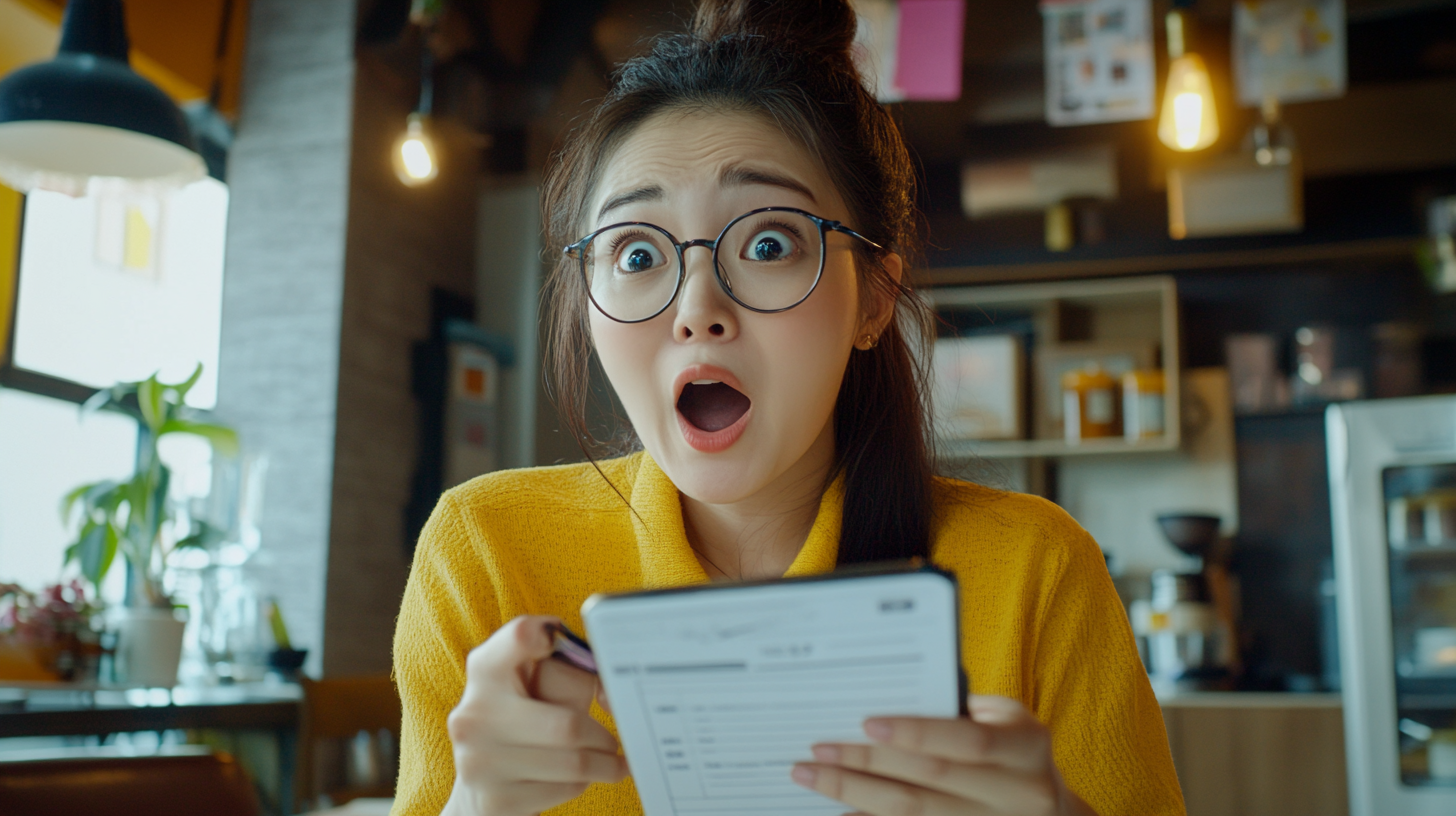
(977,387)
(1116,357)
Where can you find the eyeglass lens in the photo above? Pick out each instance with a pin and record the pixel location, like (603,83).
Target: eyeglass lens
(767,261)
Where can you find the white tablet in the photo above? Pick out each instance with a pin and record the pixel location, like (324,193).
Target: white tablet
(717,690)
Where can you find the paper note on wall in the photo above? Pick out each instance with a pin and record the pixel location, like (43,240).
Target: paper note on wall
(1289,50)
(911,49)
(1099,61)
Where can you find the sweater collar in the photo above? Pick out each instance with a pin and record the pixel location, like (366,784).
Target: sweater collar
(662,542)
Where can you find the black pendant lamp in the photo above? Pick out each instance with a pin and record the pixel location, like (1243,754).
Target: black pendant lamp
(86,114)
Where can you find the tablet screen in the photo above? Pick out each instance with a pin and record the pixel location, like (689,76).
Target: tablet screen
(717,691)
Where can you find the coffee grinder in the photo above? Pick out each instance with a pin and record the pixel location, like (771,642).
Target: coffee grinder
(1186,630)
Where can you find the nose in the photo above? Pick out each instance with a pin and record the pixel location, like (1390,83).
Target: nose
(703,310)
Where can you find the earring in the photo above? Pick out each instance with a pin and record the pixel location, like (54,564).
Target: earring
(870,341)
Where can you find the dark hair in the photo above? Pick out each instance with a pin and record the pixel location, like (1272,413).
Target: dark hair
(789,61)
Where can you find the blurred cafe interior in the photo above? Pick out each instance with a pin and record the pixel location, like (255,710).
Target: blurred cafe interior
(270,282)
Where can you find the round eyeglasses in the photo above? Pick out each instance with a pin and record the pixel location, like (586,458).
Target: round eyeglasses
(767,260)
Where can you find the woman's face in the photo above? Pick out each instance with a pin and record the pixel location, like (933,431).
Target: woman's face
(729,402)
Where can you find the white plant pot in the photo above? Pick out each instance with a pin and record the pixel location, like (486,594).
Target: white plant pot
(149,646)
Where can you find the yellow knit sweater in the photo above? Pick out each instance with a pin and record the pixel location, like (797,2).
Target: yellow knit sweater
(1039,617)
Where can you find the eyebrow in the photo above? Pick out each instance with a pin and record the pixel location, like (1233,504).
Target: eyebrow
(735,176)
(651,192)
(738,175)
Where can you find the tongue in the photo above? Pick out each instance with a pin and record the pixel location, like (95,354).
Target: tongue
(712,407)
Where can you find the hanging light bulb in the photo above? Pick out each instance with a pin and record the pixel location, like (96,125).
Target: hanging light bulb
(414,153)
(415,159)
(1189,120)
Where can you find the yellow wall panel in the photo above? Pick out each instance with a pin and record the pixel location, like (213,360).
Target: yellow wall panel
(10,209)
(26,35)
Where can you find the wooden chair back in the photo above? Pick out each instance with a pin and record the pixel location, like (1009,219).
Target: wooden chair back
(335,710)
(164,785)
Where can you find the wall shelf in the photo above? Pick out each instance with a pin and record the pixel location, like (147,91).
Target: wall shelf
(1143,309)
(960,449)
(1372,249)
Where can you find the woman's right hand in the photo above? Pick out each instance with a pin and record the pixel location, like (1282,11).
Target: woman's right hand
(523,734)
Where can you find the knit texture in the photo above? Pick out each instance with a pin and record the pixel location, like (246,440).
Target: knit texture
(1040,621)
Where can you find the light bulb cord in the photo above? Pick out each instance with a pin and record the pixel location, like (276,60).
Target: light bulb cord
(219,54)
(426,104)
(1179,25)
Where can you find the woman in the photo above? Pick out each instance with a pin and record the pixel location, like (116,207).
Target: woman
(783,432)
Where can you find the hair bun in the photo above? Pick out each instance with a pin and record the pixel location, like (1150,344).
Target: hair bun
(824,27)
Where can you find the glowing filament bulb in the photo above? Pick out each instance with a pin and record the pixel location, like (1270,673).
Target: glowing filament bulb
(417,161)
(414,154)
(1188,120)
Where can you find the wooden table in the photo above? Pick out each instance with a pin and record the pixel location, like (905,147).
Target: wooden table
(30,709)
(70,709)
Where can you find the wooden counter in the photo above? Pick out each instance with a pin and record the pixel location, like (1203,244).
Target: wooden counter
(1252,754)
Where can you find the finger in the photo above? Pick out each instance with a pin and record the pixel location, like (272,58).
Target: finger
(557,682)
(1001,789)
(881,797)
(557,764)
(527,722)
(990,708)
(531,797)
(1023,745)
(601,697)
(508,657)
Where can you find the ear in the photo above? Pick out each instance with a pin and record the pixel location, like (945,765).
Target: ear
(879,313)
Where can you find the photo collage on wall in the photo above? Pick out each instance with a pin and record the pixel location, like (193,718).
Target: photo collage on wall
(1099,61)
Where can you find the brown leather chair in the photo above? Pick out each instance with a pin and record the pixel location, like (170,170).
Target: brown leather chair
(335,710)
(163,785)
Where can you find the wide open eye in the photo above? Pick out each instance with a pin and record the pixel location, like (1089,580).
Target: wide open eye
(769,245)
(639,256)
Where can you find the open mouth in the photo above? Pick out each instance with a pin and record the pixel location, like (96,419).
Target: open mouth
(711,406)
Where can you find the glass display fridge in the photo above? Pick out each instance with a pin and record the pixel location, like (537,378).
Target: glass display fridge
(1393,498)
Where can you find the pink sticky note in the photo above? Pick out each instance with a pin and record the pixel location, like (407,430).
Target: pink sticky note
(928,49)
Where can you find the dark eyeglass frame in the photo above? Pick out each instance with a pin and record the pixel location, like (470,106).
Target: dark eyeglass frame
(826,226)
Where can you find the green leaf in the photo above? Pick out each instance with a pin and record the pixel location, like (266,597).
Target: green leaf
(204,535)
(149,397)
(68,501)
(224,439)
(95,549)
(156,516)
(137,495)
(107,498)
(183,387)
(104,496)
(97,401)
(119,398)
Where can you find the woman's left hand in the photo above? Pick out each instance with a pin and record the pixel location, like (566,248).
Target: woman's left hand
(997,761)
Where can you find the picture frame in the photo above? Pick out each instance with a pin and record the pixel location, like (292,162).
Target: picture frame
(977,387)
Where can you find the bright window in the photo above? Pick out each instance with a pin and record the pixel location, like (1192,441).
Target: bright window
(115,286)
(46,449)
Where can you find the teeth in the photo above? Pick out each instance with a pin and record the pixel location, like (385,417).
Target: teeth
(705,382)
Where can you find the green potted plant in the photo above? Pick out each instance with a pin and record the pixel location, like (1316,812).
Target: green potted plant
(131,518)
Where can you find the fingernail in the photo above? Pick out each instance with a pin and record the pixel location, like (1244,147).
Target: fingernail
(879,730)
(804,775)
(827,753)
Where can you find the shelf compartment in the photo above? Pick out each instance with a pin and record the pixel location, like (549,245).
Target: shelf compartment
(1103,311)
(957,449)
